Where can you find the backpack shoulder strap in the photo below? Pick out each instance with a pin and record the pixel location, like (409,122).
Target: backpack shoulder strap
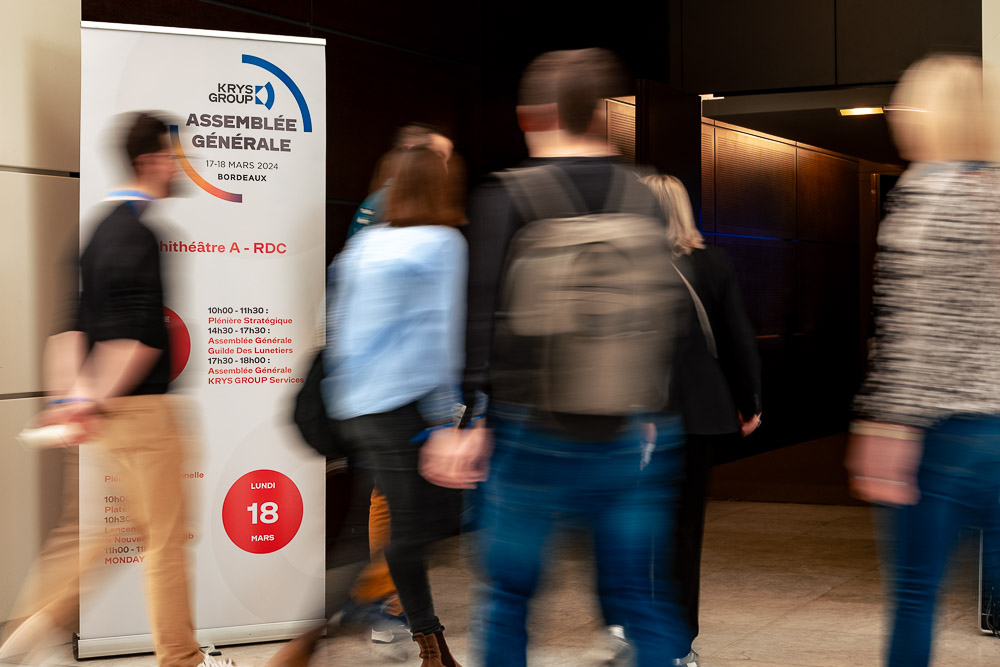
(628,194)
(542,192)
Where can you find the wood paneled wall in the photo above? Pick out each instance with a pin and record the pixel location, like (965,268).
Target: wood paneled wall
(787,214)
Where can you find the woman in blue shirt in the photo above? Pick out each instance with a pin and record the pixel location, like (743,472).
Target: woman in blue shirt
(396,314)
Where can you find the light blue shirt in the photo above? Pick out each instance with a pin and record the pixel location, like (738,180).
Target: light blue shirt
(396,322)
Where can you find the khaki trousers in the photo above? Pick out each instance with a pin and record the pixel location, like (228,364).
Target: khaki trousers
(146,445)
(375,583)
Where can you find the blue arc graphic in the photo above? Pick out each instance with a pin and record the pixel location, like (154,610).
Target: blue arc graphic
(287,80)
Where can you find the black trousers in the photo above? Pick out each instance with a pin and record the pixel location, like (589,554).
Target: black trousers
(419,512)
(690,524)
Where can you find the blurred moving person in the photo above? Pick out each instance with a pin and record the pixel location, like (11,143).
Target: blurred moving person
(926,440)
(569,252)
(373,596)
(397,308)
(717,378)
(372,209)
(112,368)
(373,601)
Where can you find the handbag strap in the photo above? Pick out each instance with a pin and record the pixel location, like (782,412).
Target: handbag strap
(706,326)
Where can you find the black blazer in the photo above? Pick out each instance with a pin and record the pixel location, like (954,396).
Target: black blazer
(710,391)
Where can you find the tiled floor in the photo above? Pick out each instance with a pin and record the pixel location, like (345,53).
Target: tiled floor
(782,585)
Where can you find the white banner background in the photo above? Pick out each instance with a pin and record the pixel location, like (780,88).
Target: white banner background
(241,427)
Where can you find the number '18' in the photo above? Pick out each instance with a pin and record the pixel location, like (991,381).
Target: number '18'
(268,513)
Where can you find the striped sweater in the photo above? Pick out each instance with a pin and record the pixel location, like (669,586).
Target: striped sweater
(937,299)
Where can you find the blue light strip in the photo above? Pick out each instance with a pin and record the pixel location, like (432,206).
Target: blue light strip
(747,236)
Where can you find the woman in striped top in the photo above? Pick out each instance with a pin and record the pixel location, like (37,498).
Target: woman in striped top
(926,440)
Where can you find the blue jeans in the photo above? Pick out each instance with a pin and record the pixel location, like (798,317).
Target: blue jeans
(959,481)
(623,491)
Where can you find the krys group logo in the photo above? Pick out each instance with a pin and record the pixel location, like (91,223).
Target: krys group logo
(234,131)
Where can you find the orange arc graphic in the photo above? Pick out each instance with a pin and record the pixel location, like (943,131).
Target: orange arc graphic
(194,175)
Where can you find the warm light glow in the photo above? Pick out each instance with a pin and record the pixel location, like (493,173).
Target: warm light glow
(860,111)
(900,107)
(710,96)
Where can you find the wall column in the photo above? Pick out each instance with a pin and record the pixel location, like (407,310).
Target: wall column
(39,195)
(991,59)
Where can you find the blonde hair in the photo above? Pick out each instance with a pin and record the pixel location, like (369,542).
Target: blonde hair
(682,233)
(938,113)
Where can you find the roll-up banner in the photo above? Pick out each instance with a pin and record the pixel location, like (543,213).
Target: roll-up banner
(242,250)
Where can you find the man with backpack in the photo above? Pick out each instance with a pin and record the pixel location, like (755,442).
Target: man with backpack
(573,309)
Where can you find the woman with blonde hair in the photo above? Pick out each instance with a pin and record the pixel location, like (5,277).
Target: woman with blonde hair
(926,435)
(717,378)
(682,233)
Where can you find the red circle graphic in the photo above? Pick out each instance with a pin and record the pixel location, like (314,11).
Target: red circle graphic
(262,511)
(180,342)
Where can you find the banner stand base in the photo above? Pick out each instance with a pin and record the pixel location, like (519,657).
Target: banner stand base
(244,634)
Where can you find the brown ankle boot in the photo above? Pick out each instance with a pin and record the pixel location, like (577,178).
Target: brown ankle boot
(430,654)
(434,650)
(446,658)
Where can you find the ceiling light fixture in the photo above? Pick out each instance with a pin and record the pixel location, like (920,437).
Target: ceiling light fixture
(901,107)
(860,111)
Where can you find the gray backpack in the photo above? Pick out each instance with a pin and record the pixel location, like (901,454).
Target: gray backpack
(585,323)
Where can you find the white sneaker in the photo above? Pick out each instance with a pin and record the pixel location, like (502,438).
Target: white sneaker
(622,652)
(214,661)
(390,635)
(617,649)
(390,640)
(690,660)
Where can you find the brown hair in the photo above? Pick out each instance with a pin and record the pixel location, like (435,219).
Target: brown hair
(410,135)
(589,76)
(576,81)
(385,168)
(423,190)
(146,133)
(415,134)
(540,77)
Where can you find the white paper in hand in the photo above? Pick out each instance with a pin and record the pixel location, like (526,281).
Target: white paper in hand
(48,437)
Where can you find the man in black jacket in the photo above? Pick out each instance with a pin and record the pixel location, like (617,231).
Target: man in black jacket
(108,375)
